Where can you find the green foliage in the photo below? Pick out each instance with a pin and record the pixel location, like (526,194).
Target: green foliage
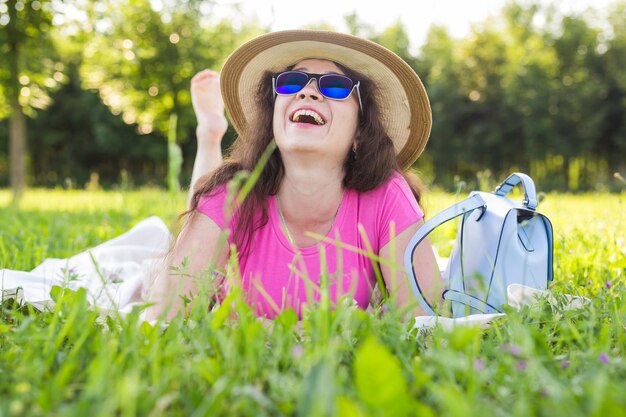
(613,48)
(397,39)
(100,142)
(520,94)
(174,156)
(379,380)
(27,64)
(223,361)
(28,59)
(142,63)
(4,157)
(139,57)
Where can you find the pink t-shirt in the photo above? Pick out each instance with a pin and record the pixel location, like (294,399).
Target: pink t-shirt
(275,276)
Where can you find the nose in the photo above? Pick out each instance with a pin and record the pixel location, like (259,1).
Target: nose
(311,90)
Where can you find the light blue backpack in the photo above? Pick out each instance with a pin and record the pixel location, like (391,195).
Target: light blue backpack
(499,242)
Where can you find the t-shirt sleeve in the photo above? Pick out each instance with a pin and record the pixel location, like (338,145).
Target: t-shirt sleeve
(212,205)
(397,206)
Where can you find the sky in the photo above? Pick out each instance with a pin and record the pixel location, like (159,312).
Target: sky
(416,15)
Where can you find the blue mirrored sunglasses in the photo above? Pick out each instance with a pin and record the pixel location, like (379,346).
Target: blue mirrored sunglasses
(333,86)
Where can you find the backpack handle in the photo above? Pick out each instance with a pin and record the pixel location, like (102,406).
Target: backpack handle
(464,206)
(470,301)
(530,194)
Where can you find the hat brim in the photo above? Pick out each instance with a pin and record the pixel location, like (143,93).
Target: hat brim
(400,94)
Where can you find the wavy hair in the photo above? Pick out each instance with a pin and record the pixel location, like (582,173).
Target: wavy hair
(370,166)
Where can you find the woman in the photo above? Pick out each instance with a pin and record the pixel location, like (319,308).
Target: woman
(347,117)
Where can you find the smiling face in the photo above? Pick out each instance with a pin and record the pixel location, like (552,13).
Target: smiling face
(309,123)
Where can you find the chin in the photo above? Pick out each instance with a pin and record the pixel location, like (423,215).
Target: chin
(299,142)
(301,148)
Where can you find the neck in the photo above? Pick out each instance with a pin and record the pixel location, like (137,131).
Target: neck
(309,202)
(310,195)
(312,173)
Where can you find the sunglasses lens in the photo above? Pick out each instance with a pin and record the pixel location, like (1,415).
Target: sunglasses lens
(290,82)
(335,86)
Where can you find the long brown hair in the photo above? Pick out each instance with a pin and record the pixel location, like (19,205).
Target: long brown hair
(370,166)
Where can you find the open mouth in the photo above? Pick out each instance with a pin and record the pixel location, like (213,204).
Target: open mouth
(307,116)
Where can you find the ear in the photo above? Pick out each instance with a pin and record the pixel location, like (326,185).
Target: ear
(357,138)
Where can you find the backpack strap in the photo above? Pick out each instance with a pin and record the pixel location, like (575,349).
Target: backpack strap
(464,206)
(469,300)
(530,194)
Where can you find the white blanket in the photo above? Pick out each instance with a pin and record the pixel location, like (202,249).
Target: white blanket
(113,273)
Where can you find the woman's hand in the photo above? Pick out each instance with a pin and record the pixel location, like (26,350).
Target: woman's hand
(209,108)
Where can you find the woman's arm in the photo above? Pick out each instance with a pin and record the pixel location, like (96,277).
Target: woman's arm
(424,263)
(198,245)
(209,109)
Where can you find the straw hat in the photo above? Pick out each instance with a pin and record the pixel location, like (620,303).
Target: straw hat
(400,95)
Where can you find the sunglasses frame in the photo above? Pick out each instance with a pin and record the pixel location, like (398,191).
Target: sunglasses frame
(317,77)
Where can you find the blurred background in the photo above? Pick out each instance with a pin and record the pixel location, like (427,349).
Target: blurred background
(91,91)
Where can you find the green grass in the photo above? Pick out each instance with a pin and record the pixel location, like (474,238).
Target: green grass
(344,362)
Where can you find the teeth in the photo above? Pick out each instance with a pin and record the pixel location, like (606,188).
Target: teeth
(300,113)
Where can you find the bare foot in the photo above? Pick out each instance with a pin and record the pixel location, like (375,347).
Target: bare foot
(209,107)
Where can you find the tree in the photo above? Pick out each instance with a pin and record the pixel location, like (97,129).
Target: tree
(611,143)
(577,94)
(439,68)
(474,126)
(396,38)
(531,65)
(78,136)
(143,57)
(24,46)
(357,27)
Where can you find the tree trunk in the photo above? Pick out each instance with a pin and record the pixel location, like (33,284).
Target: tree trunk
(17,123)
(566,172)
(17,135)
